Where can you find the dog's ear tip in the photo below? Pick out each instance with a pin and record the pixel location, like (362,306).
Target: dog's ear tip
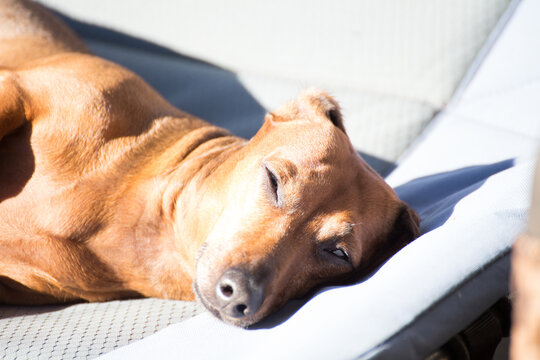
(325,105)
(319,98)
(312,103)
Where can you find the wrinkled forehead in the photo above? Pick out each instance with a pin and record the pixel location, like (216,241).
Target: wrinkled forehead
(320,148)
(337,181)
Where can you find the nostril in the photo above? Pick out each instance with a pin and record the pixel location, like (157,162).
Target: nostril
(241,309)
(226,290)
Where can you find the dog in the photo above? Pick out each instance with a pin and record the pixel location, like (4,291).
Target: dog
(107,191)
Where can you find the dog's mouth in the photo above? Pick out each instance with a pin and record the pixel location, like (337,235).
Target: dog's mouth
(202,299)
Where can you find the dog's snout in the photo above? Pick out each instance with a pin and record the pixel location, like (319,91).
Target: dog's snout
(238,295)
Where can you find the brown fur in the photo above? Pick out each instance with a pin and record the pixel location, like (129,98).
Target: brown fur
(107,191)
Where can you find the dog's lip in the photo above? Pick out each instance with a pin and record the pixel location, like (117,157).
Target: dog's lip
(207,304)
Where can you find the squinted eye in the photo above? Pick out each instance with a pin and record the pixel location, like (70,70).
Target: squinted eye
(273,181)
(340,253)
(272,186)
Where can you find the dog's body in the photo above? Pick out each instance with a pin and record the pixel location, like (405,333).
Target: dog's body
(107,191)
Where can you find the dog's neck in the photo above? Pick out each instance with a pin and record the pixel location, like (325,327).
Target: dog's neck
(173,208)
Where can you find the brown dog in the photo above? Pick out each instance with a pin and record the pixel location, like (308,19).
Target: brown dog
(107,191)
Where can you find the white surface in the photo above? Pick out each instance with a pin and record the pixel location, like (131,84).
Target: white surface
(505,92)
(513,60)
(417,49)
(454,142)
(480,219)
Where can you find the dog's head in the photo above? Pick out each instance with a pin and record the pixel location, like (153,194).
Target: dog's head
(303,209)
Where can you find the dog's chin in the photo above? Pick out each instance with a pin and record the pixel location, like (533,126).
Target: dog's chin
(243,322)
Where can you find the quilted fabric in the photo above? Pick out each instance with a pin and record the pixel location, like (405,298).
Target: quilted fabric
(84,331)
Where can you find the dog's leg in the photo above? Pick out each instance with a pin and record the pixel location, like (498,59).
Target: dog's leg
(29,32)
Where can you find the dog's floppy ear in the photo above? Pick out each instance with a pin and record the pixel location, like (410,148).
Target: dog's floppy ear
(12,112)
(312,104)
(406,226)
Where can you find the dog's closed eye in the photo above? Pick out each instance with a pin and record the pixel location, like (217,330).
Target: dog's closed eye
(272,184)
(339,253)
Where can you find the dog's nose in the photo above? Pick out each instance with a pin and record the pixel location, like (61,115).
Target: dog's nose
(238,295)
